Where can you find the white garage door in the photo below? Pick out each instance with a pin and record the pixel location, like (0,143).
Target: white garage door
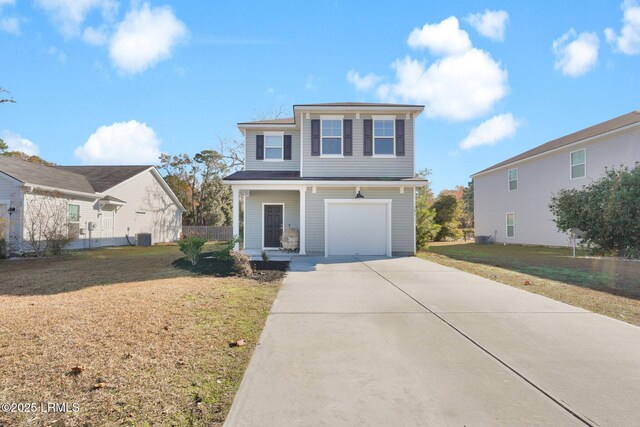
(358,227)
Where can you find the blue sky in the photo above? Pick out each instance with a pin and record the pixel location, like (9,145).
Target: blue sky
(107,81)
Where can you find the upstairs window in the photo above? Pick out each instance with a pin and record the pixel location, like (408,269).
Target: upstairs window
(384,136)
(578,164)
(511,224)
(331,137)
(273,146)
(513,179)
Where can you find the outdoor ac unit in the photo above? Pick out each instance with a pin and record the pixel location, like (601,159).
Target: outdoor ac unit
(143,239)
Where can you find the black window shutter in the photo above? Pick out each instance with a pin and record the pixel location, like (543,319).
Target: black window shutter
(399,137)
(315,137)
(259,147)
(368,137)
(287,147)
(347,138)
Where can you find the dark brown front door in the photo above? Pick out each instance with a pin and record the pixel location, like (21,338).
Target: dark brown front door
(272,225)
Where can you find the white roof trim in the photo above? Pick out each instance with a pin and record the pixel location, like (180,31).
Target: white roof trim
(325,183)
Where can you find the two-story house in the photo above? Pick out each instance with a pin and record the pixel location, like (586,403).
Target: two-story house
(340,177)
(511,198)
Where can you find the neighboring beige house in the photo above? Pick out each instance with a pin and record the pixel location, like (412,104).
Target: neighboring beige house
(511,198)
(334,179)
(107,205)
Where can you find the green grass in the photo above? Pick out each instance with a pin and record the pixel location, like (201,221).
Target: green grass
(608,286)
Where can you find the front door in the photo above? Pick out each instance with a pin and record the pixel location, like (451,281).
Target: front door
(272,225)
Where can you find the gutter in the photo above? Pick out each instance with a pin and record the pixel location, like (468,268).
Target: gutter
(30,187)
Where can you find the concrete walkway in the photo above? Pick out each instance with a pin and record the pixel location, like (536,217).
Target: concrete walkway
(406,342)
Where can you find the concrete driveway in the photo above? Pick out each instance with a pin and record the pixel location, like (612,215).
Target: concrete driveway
(405,342)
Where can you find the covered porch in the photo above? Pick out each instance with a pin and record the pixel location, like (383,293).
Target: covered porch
(273,219)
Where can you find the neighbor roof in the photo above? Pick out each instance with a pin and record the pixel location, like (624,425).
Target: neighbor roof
(104,177)
(32,173)
(265,175)
(599,129)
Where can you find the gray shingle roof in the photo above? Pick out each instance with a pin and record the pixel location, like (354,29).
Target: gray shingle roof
(104,177)
(600,128)
(284,121)
(357,104)
(31,173)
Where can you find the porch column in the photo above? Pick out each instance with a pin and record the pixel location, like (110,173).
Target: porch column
(236,216)
(303,210)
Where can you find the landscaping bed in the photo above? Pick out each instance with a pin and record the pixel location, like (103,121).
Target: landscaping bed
(128,335)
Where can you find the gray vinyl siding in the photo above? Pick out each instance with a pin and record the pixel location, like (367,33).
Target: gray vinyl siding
(402,216)
(538,180)
(358,165)
(253,213)
(288,165)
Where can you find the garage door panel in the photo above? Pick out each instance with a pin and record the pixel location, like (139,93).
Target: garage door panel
(357,228)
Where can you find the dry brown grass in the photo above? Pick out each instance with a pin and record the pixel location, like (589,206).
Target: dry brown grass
(597,300)
(160,346)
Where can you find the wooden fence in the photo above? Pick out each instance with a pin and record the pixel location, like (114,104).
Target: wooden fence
(221,233)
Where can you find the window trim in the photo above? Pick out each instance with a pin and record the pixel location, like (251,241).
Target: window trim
(393,137)
(264,148)
(506,226)
(509,180)
(73,222)
(332,156)
(571,177)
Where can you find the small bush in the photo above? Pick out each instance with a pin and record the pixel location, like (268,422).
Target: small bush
(265,256)
(4,251)
(241,264)
(224,254)
(192,248)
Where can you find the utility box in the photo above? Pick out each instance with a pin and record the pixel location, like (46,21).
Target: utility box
(143,239)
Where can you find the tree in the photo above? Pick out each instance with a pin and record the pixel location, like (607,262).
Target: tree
(46,222)
(447,214)
(605,211)
(426,228)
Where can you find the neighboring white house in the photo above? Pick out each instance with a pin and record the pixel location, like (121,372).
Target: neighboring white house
(107,205)
(335,179)
(511,198)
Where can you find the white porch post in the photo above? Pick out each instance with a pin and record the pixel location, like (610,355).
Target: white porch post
(303,198)
(236,216)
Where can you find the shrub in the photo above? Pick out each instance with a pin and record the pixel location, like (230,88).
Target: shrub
(4,250)
(265,256)
(447,214)
(426,228)
(224,254)
(192,248)
(606,211)
(241,264)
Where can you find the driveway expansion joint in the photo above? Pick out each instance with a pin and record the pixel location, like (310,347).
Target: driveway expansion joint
(561,403)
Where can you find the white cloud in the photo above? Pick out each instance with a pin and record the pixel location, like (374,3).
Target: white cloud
(628,42)
(458,87)
(491,131)
(445,38)
(10,25)
(145,37)
(312,83)
(366,82)
(69,15)
(17,143)
(95,36)
(7,3)
(490,23)
(129,142)
(576,54)
(57,53)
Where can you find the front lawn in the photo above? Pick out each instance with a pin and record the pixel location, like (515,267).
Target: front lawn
(129,334)
(607,286)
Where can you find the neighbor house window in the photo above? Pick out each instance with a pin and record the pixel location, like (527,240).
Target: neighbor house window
(273,143)
(578,164)
(331,137)
(513,179)
(74,221)
(384,136)
(511,224)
